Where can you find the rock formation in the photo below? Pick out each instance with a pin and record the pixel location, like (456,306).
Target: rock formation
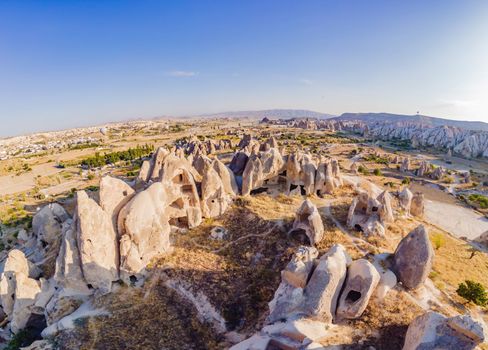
(215,199)
(322,291)
(413,258)
(362,279)
(435,331)
(308,222)
(144,231)
(405,198)
(417,207)
(97,244)
(47,222)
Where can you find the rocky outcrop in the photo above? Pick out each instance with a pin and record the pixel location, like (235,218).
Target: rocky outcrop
(68,272)
(322,291)
(47,223)
(413,258)
(466,143)
(369,214)
(114,194)
(183,202)
(434,331)
(260,168)
(308,222)
(238,163)
(18,289)
(227,177)
(144,231)
(97,244)
(362,279)
(215,199)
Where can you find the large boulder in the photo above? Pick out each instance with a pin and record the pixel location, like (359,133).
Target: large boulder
(47,222)
(362,279)
(308,222)
(97,244)
(144,230)
(432,331)
(413,258)
(143,176)
(322,291)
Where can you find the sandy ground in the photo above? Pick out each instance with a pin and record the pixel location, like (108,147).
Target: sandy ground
(457,220)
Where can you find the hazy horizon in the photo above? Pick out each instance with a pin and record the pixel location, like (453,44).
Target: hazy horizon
(79,63)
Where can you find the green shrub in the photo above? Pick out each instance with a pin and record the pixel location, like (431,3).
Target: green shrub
(406,181)
(438,240)
(363,170)
(377,172)
(473,291)
(479,199)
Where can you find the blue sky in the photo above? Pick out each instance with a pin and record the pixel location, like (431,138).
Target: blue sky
(75,63)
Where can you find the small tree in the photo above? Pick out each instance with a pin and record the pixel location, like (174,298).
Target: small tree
(473,291)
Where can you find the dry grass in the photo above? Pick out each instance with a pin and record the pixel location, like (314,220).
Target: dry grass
(158,320)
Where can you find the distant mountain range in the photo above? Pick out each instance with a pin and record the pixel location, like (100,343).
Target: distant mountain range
(368,118)
(271,114)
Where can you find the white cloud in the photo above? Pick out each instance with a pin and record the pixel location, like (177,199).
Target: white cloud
(181,73)
(306,82)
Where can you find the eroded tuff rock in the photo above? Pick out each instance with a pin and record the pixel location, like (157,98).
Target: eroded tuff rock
(114,194)
(47,222)
(405,197)
(434,331)
(68,272)
(97,244)
(289,295)
(183,202)
(369,214)
(18,289)
(308,222)
(417,207)
(413,258)
(322,291)
(362,279)
(260,168)
(15,264)
(227,177)
(144,231)
(215,199)
(238,163)
(298,270)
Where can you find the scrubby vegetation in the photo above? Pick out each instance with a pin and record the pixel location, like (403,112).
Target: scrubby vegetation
(474,292)
(480,200)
